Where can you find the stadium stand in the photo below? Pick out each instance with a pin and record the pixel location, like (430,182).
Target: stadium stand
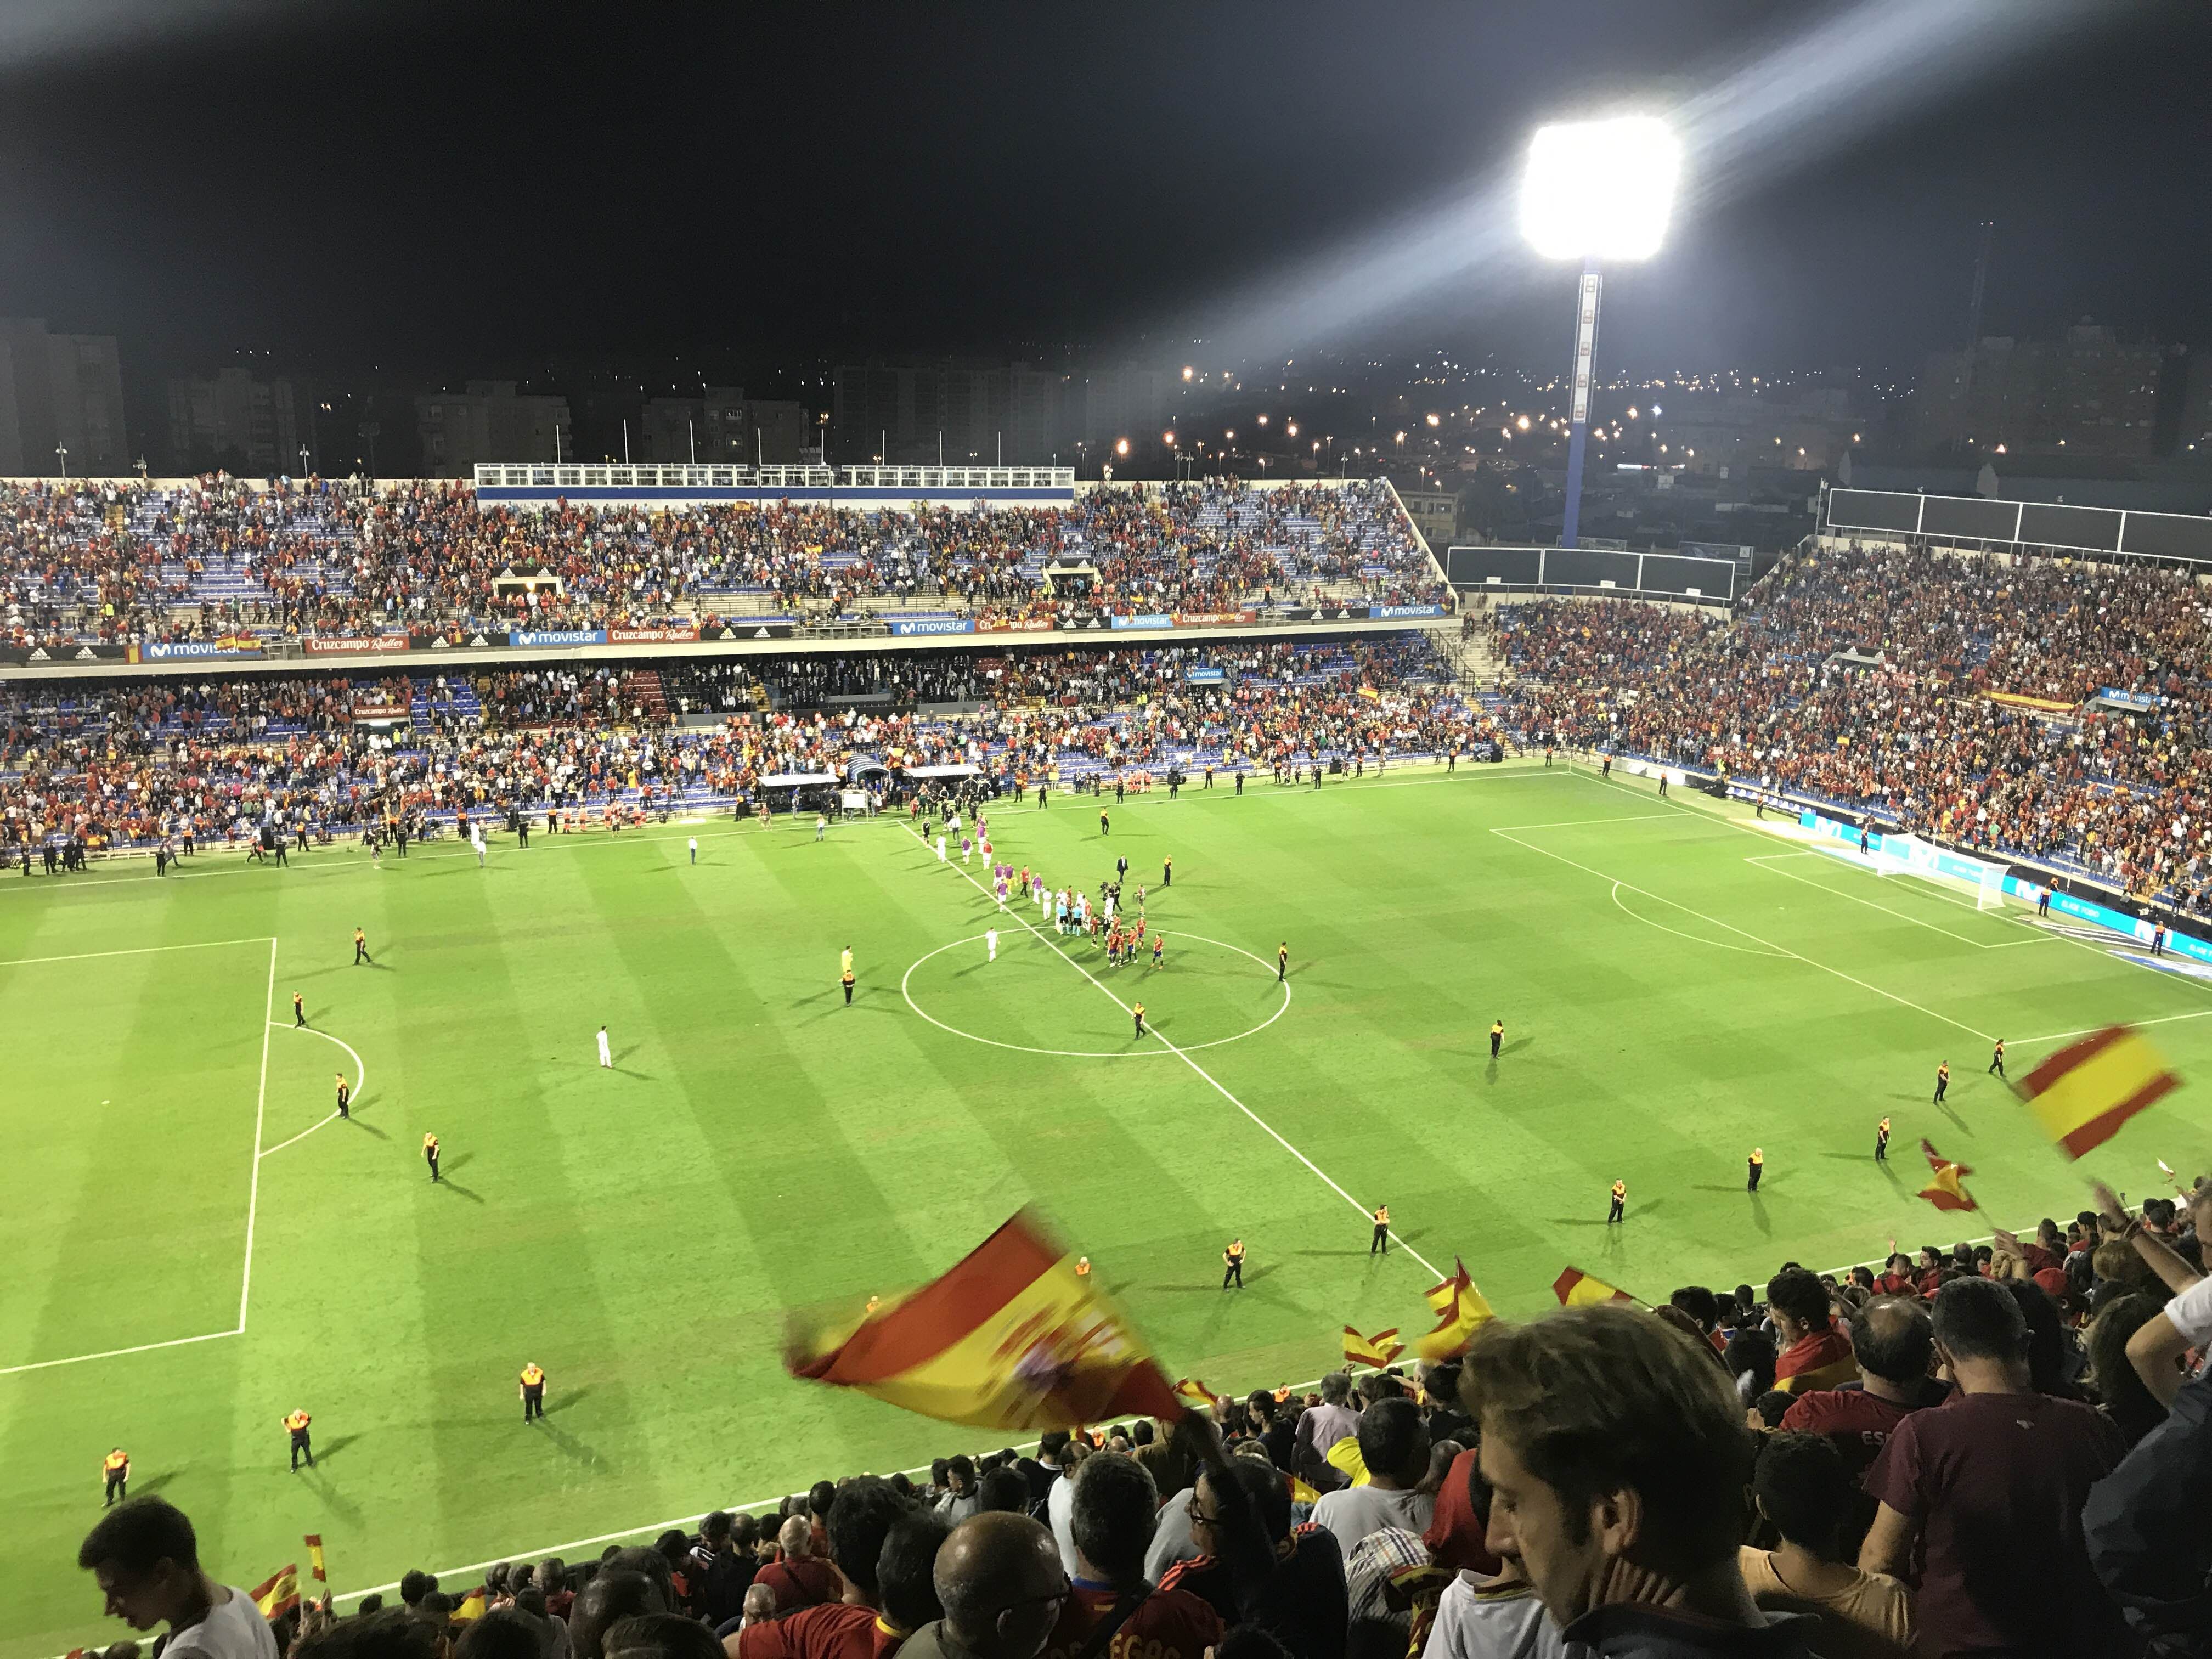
(2021,1388)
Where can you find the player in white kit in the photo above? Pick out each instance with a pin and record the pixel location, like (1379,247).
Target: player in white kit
(606,1055)
(991,944)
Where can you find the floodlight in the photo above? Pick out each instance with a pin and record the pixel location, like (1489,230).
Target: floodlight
(1600,190)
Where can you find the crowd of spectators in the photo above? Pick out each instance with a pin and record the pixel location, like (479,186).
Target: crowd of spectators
(95,561)
(1957,696)
(1991,1451)
(207,763)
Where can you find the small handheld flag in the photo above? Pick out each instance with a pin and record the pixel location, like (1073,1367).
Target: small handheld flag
(1947,1188)
(1192,1392)
(280,1593)
(1378,1350)
(313,1541)
(1577,1289)
(2084,1092)
(1462,1310)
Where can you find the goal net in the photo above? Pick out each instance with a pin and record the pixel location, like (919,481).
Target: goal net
(1980,879)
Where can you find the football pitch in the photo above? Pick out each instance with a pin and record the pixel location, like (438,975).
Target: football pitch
(194,1246)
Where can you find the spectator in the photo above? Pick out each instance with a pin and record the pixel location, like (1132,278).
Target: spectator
(1388,1581)
(145,1559)
(904,1572)
(798,1578)
(729,1568)
(2135,1411)
(1322,1427)
(1255,1569)
(1115,1503)
(660,1636)
(1618,1459)
(1490,1613)
(2158,1345)
(1455,1531)
(1990,1487)
(501,1633)
(393,1633)
(1005,1488)
(862,1513)
(1894,1346)
(1803,1488)
(1750,1360)
(961,1498)
(2144,1524)
(1394,1444)
(1813,1353)
(1000,1581)
(612,1596)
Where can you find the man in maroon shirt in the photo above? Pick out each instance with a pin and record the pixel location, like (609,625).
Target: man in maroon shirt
(862,1515)
(1991,1487)
(799,1577)
(1114,1509)
(1895,1344)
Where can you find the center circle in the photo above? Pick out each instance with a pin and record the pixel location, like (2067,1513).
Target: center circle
(906,990)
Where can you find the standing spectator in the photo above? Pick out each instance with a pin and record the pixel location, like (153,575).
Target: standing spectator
(1803,1488)
(1115,1504)
(1322,1427)
(1256,1570)
(2145,1528)
(961,1498)
(146,1560)
(2134,1410)
(862,1515)
(799,1577)
(1619,1457)
(1489,1613)
(1813,1353)
(1000,1581)
(1990,1487)
(1393,1444)
(1894,1346)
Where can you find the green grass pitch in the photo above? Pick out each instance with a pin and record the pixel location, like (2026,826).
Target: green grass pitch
(1676,987)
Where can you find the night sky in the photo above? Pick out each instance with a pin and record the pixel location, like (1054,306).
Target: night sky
(466,188)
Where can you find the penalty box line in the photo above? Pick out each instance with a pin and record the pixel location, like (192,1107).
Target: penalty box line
(253,1189)
(1211,1081)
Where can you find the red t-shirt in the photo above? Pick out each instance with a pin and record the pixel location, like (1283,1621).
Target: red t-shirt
(1996,1482)
(1455,1536)
(837,1631)
(1169,1624)
(799,1582)
(1817,1359)
(1858,1423)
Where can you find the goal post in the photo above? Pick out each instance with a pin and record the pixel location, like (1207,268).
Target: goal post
(1983,879)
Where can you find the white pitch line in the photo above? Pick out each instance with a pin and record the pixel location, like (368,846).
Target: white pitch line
(1763,863)
(360,1084)
(2163,1019)
(115,1353)
(1778,950)
(135,951)
(260,1112)
(1580,824)
(1105,991)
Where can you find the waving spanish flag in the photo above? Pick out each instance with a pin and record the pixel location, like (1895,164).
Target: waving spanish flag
(313,1541)
(1461,1311)
(1192,1392)
(470,1606)
(2084,1092)
(1577,1289)
(1378,1350)
(1947,1190)
(1011,1338)
(280,1593)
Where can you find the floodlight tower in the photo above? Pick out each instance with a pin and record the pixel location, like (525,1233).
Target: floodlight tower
(1595,191)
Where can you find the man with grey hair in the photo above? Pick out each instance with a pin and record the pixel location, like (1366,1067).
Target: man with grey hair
(801,1578)
(1993,1485)
(998,1579)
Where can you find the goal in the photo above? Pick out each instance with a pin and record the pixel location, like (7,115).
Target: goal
(1908,855)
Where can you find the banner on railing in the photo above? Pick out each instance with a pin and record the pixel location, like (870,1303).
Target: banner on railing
(190,650)
(1142,622)
(534,638)
(653,635)
(939,625)
(373,644)
(1214,618)
(1381,612)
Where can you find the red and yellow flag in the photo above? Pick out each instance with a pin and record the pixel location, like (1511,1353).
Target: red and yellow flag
(313,1541)
(1378,1350)
(1461,1311)
(470,1606)
(1195,1394)
(1947,1188)
(1577,1289)
(280,1593)
(1010,1338)
(2084,1092)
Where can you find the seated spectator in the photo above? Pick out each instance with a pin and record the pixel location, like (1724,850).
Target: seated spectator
(962,1497)
(1990,1486)
(862,1513)
(611,1597)
(145,1559)
(1116,1503)
(1894,1346)
(1804,1490)
(1289,1584)
(1618,1458)
(1813,1353)
(1005,1488)
(798,1578)
(1000,1581)
(1394,1444)
(661,1636)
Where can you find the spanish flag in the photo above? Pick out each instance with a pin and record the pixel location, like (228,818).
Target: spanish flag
(2084,1092)
(313,1541)
(1010,1338)
(281,1593)
(1462,1310)
(472,1605)
(1378,1350)
(1947,1188)
(1577,1289)
(1193,1393)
